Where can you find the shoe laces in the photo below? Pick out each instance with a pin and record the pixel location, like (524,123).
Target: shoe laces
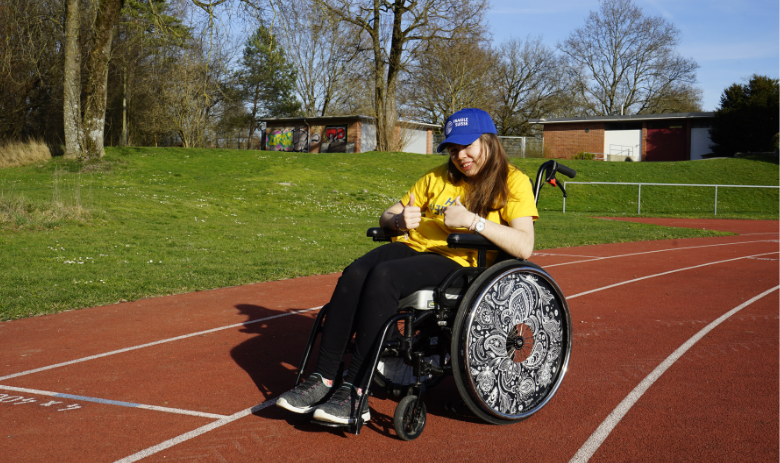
(343,394)
(310,383)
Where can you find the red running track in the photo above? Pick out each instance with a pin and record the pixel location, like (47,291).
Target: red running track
(675,357)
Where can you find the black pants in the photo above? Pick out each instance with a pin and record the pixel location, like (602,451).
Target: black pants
(366,296)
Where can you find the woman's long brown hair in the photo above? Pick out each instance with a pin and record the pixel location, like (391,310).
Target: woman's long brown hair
(488,190)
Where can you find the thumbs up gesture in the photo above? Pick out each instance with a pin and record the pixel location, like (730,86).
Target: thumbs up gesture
(411,215)
(457,216)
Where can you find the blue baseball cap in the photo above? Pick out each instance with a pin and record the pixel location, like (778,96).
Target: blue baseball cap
(465,126)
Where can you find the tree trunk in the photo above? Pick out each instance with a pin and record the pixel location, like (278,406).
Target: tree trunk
(387,80)
(97,79)
(380,88)
(393,69)
(123,141)
(72,82)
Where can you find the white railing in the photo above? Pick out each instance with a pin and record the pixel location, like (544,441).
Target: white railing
(639,196)
(621,150)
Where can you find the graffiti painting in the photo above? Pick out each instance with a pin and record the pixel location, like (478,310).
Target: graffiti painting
(336,137)
(300,139)
(280,139)
(336,133)
(289,139)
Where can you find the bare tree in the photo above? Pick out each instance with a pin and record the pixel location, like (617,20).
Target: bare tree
(146,31)
(321,48)
(186,100)
(410,23)
(528,84)
(356,89)
(192,94)
(625,61)
(678,99)
(449,75)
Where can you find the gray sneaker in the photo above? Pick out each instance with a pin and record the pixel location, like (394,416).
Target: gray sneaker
(339,407)
(304,397)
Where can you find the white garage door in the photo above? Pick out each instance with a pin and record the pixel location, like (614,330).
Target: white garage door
(416,141)
(700,142)
(620,144)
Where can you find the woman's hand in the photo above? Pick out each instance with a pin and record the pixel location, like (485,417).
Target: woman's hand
(517,238)
(457,216)
(401,217)
(410,217)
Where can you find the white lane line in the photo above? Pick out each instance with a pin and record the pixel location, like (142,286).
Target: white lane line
(195,433)
(666,273)
(606,427)
(155,343)
(548,254)
(82,398)
(656,251)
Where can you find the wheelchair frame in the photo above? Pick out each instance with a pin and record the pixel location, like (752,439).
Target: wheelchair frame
(449,316)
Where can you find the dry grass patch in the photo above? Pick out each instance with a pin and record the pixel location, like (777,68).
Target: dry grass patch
(15,154)
(19,214)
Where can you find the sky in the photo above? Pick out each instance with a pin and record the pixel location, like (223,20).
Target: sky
(730,39)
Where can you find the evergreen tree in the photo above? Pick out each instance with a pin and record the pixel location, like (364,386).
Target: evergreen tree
(747,119)
(265,80)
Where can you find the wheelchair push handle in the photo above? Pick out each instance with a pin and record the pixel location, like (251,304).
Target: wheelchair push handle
(567,171)
(546,174)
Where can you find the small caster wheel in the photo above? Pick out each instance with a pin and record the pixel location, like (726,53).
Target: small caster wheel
(409,420)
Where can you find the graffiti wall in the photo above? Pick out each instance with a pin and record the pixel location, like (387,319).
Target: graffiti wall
(330,138)
(288,139)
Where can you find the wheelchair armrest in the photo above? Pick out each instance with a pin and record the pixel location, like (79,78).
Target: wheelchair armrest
(472,241)
(382,234)
(469,240)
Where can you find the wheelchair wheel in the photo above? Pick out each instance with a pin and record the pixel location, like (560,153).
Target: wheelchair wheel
(408,420)
(511,342)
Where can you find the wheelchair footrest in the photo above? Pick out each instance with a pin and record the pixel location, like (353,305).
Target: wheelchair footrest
(328,424)
(349,427)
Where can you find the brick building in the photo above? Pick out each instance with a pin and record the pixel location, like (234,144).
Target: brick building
(641,137)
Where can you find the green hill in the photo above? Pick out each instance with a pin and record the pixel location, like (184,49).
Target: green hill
(153,221)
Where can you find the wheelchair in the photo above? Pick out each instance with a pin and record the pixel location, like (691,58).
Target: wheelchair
(504,333)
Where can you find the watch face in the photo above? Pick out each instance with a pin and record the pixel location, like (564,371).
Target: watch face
(480,226)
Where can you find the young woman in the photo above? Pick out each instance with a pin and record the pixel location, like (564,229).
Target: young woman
(476,190)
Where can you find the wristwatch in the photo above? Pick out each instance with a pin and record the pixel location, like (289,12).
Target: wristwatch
(480,226)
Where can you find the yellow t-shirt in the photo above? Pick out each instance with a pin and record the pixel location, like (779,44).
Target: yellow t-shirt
(433,192)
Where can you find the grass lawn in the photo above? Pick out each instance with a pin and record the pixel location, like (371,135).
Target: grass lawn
(154,221)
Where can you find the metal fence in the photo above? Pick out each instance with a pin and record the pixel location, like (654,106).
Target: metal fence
(639,194)
(517,147)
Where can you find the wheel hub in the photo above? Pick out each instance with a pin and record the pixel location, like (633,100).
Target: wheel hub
(520,343)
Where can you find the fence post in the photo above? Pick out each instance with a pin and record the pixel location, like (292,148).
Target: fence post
(564,199)
(639,201)
(716,200)
(523,147)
